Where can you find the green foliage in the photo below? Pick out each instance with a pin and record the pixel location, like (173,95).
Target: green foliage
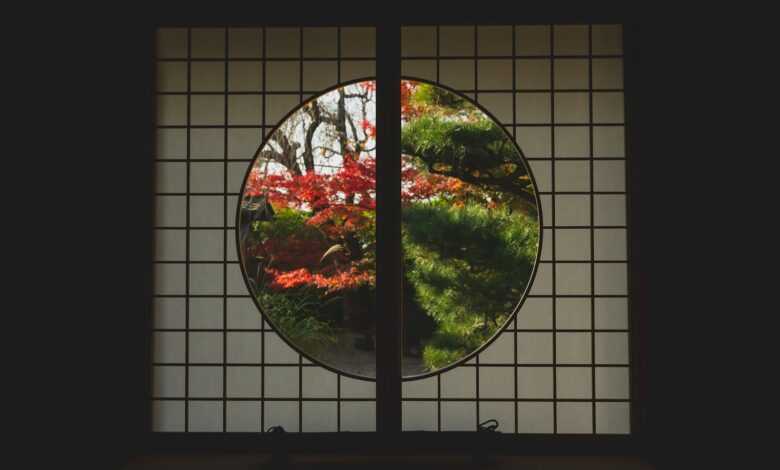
(287,223)
(297,314)
(425,94)
(468,267)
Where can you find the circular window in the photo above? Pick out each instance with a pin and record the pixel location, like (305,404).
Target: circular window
(469,224)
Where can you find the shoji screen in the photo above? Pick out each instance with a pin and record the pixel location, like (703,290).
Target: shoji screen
(217,365)
(563,367)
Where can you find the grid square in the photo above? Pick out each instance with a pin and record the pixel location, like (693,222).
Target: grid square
(171,76)
(542,283)
(205,382)
(320,42)
(244,347)
(503,412)
(207,110)
(607,73)
(243,416)
(570,39)
(534,348)
(611,313)
(169,245)
(206,177)
(418,41)
(533,108)
(609,141)
(457,74)
(573,348)
(243,143)
(613,418)
(458,416)
(534,382)
(207,143)
(245,110)
(319,383)
(572,313)
(572,210)
(171,43)
(419,416)
(575,418)
(278,352)
(499,105)
(354,69)
(572,142)
(611,348)
(546,254)
(205,313)
(572,108)
(205,347)
(205,416)
(354,388)
(573,382)
(609,210)
(283,42)
(608,107)
(456,40)
(168,381)
(168,347)
(532,40)
(571,74)
(610,244)
(358,42)
(281,413)
(535,417)
(496,382)
(171,110)
(208,42)
(573,176)
(171,177)
(319,416)
(171,143)
(572,244)
(532,74)
(535,314)
(535,142)
(419,69)
(242,314)
(206,245)
(319,75)
(205,279)
(422,388)
(460,382)
(235,280)
(611,279)
(207,76)
(278,106)
(169,279)
(612,382)
(500,351)
(282,76)
(245,76)
(169,312)
(609,175)
(607,39)
(572,278)
(167,416)
(245,42)
(494,74)
(494,40)
(542,172)
(358,416)
(244,382)
(207,211)
(281,382)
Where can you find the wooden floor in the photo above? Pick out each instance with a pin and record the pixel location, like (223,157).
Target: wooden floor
(432,462)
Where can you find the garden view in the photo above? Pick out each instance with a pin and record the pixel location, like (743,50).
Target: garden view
(470,230)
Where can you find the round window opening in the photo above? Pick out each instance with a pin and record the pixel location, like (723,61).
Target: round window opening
(469,223)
